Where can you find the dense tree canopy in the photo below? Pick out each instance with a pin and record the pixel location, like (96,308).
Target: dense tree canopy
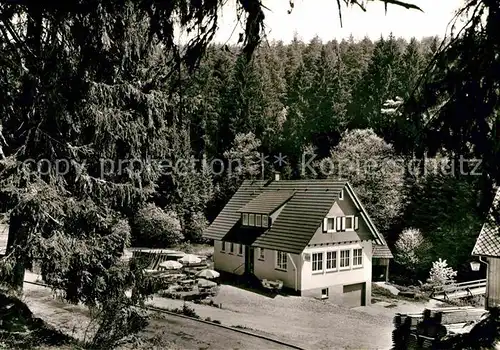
(95,96)
(375,172)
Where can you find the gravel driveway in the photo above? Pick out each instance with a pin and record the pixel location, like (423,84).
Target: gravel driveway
(306,322)
(309,323)
(168,332)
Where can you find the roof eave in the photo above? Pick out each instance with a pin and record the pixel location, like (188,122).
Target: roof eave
(486,255)
(373,229)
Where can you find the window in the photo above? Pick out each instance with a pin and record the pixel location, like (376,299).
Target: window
(331,260)
(341,194)
(245,219)
(330,224)
(349,223)
(240,249)
(223,249)
(261,253)
(265,220)
(251,219)
(357,257)
(258,220)
(317,262)
(231,247)
(345,259)
(324,293)
(281,260)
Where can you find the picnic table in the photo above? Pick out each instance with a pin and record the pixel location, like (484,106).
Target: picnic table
(205,285)
(187,284)
(172,276)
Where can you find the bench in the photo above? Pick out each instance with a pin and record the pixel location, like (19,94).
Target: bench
(274,286)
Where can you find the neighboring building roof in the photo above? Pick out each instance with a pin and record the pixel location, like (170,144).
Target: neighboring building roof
(488,242)
(381,252)
(296,223)
(267,202)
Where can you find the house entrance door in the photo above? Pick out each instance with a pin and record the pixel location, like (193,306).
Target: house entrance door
(249,259)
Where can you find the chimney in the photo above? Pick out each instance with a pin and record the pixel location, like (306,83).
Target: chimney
(276,176)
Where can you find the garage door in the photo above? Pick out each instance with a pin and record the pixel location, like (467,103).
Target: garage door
(354,295)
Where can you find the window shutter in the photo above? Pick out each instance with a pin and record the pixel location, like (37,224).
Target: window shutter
(356,223)
(338,223)
(325,224)
(343,224)
(335,223)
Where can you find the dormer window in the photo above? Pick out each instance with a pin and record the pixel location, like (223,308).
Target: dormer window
(341,194)
(251,219)
(255,220)
(265,220)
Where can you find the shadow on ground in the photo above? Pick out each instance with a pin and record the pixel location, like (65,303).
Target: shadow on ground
(19,329)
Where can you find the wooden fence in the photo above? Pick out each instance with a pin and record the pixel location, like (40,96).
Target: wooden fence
(459,290)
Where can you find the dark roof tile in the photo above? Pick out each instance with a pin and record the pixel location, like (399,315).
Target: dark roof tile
(382,252)
(308,203)
(267,202)
(229,216)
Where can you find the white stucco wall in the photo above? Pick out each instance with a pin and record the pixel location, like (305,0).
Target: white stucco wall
(321,279)
(228,262)
(266,269)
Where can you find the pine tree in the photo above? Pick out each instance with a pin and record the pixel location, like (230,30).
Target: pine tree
(411,67)
(379,83)
(95,109)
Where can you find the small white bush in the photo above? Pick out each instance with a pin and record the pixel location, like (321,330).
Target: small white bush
(407,247)
(441,273)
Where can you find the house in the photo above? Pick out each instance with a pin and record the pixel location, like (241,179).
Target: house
(487,248)
(313,235)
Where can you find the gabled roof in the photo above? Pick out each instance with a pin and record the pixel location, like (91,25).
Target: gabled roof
(488,242)
(267,202)
(302,215)
(298,221)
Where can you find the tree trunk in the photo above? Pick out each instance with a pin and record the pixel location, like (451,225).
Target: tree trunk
(17,231)
(16,237)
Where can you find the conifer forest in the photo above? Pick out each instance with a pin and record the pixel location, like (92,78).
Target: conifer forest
(115,135)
